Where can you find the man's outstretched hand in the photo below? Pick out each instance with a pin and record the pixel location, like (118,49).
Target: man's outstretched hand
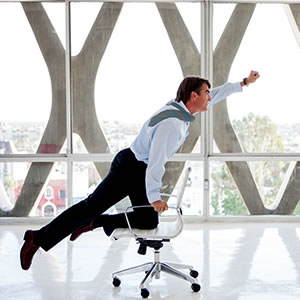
(252,77)
(160,206)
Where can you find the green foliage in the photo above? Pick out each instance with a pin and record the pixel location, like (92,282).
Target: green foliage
(256,134)
(9,182)
(233,204)
(226,199)
(215,204)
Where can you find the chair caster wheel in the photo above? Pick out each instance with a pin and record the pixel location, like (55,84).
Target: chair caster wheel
(194,273)
(116,281)
(196,287)
(145,293)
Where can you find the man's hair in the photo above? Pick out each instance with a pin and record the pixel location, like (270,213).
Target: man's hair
(189,85)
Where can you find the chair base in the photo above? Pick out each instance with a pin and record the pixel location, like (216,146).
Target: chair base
(153,269)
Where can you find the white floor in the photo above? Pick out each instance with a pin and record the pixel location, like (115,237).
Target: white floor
(240,261)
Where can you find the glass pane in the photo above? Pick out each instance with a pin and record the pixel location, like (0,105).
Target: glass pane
(254,188)
(32,76)
(192,202)
(33,189)
(256,120)
(191,14)
(126,68)
(86,177)
(85,180)
(269,176)
(225,198)
(221,17)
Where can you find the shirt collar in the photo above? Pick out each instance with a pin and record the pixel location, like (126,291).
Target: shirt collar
(182,105)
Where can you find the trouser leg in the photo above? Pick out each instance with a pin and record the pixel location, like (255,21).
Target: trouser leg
(147,219)
(63,225)
(111,190)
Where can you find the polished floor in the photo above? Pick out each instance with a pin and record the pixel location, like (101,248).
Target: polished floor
(240,261)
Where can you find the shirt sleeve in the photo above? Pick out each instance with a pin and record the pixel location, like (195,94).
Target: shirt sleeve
(164,144)
(222,92)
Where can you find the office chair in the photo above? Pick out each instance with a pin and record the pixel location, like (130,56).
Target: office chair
(155,238)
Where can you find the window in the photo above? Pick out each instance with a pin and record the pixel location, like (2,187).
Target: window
(62,194)
(244,152)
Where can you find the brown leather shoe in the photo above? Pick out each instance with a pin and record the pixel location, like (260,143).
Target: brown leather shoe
(81,230)
(28,250)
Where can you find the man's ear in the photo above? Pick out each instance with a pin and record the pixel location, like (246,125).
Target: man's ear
(193,95)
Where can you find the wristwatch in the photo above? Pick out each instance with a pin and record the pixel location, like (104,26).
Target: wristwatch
(245,81)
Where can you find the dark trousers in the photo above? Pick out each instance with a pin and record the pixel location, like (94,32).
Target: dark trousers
(125,178)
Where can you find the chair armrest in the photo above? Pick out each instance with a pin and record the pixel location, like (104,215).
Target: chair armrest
(179,218)
(169,195)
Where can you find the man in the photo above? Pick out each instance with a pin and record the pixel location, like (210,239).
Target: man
(135,172)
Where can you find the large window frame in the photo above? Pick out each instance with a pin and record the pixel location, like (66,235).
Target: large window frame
(206,154)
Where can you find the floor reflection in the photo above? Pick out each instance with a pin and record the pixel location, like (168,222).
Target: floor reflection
(235,262)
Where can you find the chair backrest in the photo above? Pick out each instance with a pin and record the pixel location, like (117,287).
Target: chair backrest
(182,186)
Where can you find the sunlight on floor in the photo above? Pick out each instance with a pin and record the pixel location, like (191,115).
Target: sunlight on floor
(241,261)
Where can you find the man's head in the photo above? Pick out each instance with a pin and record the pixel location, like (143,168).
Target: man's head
(194,93)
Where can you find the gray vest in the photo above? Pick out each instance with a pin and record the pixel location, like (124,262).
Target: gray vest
(180,114)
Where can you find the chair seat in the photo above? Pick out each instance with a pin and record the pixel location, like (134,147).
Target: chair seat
(164,230)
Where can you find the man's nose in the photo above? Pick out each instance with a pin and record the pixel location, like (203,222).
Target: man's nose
(209,97)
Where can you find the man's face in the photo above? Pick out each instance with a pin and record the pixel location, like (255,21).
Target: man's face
(202,99)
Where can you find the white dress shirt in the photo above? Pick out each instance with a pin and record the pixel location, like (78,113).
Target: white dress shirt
(156,145)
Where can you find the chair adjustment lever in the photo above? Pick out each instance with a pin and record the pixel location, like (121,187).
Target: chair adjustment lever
(142,249)
(149,243)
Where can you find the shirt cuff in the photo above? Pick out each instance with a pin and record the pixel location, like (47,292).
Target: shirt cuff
(236,87)
(153,197)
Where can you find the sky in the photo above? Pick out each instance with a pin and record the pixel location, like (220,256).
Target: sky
(141,57)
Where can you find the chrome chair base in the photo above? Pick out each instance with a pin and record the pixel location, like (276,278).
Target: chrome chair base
(154,269)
